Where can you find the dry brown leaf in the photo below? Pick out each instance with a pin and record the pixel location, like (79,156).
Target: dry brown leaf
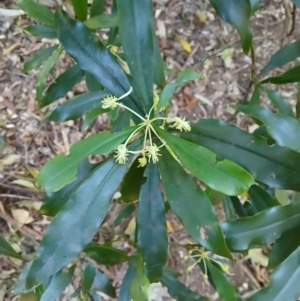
(22,216)
(201,17)
(10,159)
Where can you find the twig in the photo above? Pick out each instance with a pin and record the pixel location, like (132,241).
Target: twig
(14,196)
(20,189)
(251,82)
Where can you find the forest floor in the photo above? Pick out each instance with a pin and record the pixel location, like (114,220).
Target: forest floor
(191,36)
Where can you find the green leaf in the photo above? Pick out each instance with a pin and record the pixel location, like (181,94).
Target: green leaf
(88,277)
(262,228)
(102,21)
(228,208)
(37,11)
(284,246)
(278,125)
(47,68)
(20,286)
(105,254)
(191,206)
(226,290)
(284,282)
(121,122)
(285,55)
(136,34)
(259,200)
(92,56)
(93,114)
(44,31)
(254,6)
(276,166)
(182,77)
(125,213)
(238,207)
(102,284)
(255,99)
(132,183)
(151,224)
(290,76)
(77,106)
(237,13)
(61,170)
(281,103)
(179,291)
(94,296)
(139,283)
(124,294)
(224,176)
(7,250)
(158,66)
(63,84)
(71,230)
(97,7)
(54,201)
(297,3)
(91,83)
(113,31)
(80,8)
(57,285)
(39,58)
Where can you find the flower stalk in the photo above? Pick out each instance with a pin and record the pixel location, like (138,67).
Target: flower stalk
(150,151)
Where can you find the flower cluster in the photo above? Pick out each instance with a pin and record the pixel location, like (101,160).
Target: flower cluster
(150,151)
(200,255)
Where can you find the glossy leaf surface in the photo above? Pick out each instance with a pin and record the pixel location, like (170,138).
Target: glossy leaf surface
(71,230)
(132,183)
(179,291)
(37,11)
(61,170)
(290,76)
(224,176)
(97,7)
(191,206)
(237,13)
(151,224)
(278,125)
(284,282)
(182,77)
(276,166)
(46,69)
(44,31)
(102,21)
(102,284)
(80,8)
(54,201)
(77,106)
(105,254)
(57,285)
(259,200)
(136,34)
(92,56)
(124,294)
(88,277)
(284,246)
(226,290)
(39,58)
(62,85)
(281,103)
(285,55)
(138,286)
(262,228)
